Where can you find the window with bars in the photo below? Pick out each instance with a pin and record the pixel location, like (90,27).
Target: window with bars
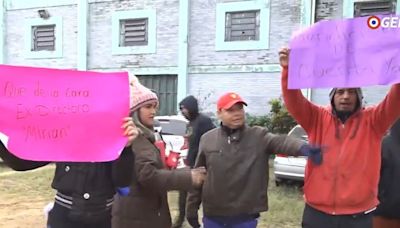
(166,87)
(242,26)
(43,38)
(134,32)
(377,7)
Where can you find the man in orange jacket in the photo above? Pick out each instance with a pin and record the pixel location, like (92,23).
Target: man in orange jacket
(342,191)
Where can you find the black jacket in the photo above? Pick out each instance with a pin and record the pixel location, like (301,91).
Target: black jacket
(389,184)
(99,179)
(198,125)
(70,177)
(90,183)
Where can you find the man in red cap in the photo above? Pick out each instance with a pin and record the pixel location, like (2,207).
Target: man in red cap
(236,159)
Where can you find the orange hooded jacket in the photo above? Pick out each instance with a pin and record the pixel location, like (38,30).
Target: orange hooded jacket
(347,180)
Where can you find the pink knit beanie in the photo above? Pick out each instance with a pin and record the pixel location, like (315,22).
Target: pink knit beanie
(139,95)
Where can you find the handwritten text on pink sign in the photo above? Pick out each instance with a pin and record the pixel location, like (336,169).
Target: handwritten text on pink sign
(63,115)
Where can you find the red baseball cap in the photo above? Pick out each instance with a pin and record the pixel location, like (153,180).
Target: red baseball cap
(227,100)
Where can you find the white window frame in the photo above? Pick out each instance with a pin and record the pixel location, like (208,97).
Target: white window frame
(223,8)
(117,16)
(58,33)
(348,8)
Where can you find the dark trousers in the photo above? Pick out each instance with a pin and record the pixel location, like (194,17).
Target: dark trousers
(313,218)
(383,222)
(230,222)
(58,218)
(182,204)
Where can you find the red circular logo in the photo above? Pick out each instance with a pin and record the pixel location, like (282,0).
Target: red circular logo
(373,22)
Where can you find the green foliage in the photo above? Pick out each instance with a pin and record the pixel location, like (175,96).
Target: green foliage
(278,120)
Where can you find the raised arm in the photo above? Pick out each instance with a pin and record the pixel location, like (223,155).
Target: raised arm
(387,111)
(302,110)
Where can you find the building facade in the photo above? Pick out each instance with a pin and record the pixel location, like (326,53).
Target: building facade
(177,47)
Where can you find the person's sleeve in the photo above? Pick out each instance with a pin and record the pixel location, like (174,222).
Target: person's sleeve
(122,168)
(204,126)
(17,163)
(385,177)
(302,110)
(194,196)
(209,125)
(387,111)
(281,144)
(148,173)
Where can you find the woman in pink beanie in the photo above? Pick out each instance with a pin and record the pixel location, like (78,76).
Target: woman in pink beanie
(146,205)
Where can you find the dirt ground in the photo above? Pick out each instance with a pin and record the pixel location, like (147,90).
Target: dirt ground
(24,208)
(17,214)
(23,196)
(20,205)
(28,211)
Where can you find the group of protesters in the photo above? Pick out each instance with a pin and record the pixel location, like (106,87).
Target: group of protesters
(228,167)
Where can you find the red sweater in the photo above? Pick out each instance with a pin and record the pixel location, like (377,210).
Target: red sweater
(347,180)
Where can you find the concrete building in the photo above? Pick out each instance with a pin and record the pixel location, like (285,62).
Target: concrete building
(177,47)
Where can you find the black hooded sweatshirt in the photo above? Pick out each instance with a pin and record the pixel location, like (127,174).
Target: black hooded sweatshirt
(198,125)
(389,184)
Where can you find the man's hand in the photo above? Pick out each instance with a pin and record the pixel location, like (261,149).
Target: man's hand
(130,130)
(312,152)
(284,57)
(198,176)
(193,221)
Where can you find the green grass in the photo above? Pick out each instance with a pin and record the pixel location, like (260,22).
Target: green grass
(285,207)
(285,202)
(35,182)
(3,167)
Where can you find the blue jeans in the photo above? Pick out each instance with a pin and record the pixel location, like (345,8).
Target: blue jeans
(230,222)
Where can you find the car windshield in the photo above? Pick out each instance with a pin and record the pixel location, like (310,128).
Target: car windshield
(173,127)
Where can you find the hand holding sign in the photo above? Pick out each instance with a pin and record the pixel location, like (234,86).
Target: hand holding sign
(131,131)
(284,57)
(63,115)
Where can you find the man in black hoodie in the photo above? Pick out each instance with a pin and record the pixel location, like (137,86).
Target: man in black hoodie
(198,125)
(387,215)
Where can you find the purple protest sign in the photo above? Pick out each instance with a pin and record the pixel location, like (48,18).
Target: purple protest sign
(344,53)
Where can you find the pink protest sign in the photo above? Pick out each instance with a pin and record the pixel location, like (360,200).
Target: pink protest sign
(63,115)
(344,53)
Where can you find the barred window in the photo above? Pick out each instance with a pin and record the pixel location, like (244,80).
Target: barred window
(43,38)
(377,7)
(134,32)
(243,25)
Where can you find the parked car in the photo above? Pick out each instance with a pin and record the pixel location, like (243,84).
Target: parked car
(289,167)
(172,130)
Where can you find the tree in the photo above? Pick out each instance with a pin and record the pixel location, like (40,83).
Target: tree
(278,120)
